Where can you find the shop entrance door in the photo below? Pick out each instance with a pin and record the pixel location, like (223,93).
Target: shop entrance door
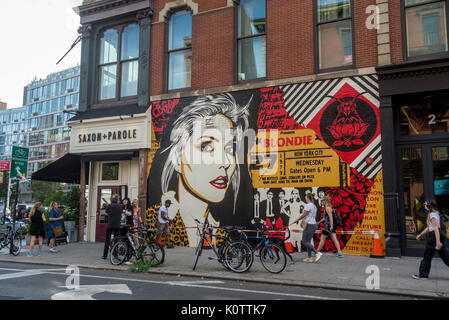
(425,176)
(104,195)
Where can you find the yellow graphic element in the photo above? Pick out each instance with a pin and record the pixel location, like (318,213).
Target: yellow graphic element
(373,220)
(295,158)
(155,145)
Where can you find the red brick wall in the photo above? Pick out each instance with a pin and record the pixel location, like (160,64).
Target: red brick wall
(213,47)
(394,8)
(290,42)
(365,39)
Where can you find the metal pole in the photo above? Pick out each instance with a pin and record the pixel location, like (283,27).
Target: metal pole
(8,195)
(15,207)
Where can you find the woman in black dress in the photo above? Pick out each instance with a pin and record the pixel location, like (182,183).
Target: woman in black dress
(37,228)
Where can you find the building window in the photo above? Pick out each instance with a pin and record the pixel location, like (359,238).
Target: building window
(109,171)
(179,52)
(426,27)
(119,62)
(335,36)
(251,39)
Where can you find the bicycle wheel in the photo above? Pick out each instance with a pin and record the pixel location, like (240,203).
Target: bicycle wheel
(16,244)
(119,252)
(238,256)
(198,250)
(273,258)
(154,251)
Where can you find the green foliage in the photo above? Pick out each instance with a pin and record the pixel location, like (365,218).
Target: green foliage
(142,266)
(26,230)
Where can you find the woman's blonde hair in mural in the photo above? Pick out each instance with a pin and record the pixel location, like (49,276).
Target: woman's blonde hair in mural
(183,127)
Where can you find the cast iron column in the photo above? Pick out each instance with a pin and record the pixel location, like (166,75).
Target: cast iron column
(391,207)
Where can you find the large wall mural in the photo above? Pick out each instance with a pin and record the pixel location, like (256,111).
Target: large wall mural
(249,158)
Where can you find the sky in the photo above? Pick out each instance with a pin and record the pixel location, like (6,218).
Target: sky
(34,35)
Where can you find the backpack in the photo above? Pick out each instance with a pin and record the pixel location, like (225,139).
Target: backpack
(336,218)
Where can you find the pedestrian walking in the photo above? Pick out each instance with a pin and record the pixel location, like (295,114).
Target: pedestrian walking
(309,225)
(37,228)
(330,225)
(55,226)
(114,211)
(435,241)
(162,224)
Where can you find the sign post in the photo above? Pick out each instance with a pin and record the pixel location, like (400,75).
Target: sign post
(5,166)
(18,171)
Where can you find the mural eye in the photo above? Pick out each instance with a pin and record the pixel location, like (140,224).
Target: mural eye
(207,146)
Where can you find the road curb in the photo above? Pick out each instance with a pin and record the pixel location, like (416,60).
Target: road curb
(426,295)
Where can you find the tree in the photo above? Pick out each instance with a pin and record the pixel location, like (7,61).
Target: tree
(41,190)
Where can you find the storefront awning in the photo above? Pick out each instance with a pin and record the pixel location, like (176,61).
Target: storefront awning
(66,169)
(108,156)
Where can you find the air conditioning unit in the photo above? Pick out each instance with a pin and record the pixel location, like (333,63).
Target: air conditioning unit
(36,99)
(69,106)
(35,114)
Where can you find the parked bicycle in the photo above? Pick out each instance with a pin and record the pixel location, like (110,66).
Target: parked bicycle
(267,243)
(125,247)
(236,256)
(11,240)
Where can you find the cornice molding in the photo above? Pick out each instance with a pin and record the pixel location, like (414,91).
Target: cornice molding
(102,5)
(413,69)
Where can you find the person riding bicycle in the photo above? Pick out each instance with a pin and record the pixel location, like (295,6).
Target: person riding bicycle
(162,224)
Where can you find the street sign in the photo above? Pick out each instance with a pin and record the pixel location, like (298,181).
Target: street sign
(5,164)
(19,162)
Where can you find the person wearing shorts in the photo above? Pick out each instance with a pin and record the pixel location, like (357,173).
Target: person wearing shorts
(328,229)
(162,224)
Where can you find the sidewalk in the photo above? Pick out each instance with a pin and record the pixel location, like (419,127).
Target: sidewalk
(346,273)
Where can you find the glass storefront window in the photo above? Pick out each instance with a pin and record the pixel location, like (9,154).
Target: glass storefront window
(412,176)
(440,161)
(421,119)
(110,171)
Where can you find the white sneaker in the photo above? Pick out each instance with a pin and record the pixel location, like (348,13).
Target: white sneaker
(318,256)
(308,259)
(128,262)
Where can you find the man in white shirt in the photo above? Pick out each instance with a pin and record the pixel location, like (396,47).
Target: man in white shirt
(162,224)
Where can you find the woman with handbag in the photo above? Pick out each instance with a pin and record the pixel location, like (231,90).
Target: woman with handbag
(330,225)
(55,225)
(37,228)
(309,225)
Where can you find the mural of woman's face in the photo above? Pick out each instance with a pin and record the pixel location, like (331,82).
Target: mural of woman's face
(208,159)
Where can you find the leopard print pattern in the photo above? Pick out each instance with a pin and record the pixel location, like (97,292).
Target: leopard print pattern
(178,234)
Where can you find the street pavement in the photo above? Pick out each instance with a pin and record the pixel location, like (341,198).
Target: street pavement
(38,282)
(349,273)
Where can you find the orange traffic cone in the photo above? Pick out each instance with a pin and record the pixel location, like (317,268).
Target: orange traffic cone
(289,247)
(209,237)
(377,251)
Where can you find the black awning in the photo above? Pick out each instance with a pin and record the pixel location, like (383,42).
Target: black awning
(108,156)
(66,169)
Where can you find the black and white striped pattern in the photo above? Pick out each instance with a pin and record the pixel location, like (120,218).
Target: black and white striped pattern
(304,101)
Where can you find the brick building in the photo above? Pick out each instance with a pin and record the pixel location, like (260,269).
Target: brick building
(299,75)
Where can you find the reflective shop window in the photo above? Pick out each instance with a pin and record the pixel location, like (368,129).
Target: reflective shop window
(421,119)
(334,33)
(110,171)
(426,27)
